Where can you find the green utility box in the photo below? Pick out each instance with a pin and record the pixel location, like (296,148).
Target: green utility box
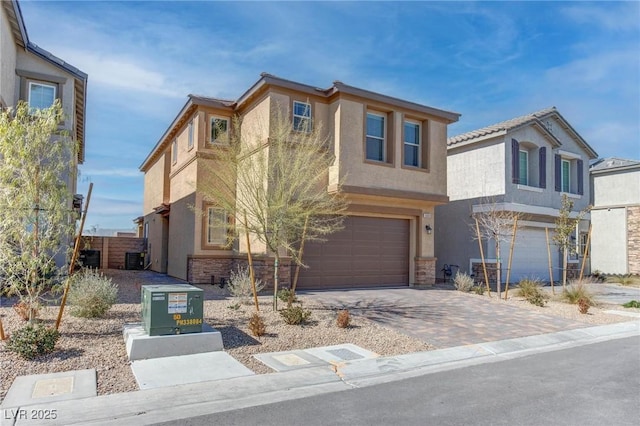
(172,309)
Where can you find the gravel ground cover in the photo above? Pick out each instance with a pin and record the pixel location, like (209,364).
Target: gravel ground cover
(98,343)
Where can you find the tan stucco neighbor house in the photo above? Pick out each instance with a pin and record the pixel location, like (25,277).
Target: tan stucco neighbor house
(615,216)
(31,74)
(390,157)
(525,165)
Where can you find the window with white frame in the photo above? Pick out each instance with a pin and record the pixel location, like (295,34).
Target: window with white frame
(375,143)
(566,176)
(216,232)
(302,116)
(523,158)
(41,95)
(174,152)
(219,128)
(412,152)
(190,136)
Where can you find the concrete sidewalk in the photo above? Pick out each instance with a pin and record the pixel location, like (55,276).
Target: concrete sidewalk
(179,402)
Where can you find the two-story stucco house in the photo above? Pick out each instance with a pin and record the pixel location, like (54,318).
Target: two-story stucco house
(390,156)
(31,74)
(615,216)
(522,165)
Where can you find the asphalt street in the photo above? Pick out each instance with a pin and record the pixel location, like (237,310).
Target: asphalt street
(594,384)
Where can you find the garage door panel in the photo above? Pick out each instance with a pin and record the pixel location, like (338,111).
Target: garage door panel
(530,255)
(368,252)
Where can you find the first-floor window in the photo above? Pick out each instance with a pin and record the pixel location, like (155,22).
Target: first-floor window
(566,175)
(375,144)
(216,226)
(41,95)
(412,144)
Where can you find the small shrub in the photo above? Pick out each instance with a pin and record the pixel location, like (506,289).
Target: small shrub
(479,289)
(576,291)
(285,294)
(256,325)
(583,305)
(632,304)
(295,315)
(234,307)
(531,290)
(622,279)
(32,341)
(26,311)
(92,294)
(343,319)
(463,282)
(240,285)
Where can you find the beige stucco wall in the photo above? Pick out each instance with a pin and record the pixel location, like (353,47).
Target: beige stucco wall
(29,62)
(183,183)
(477,171)
(349,118)
(8,61)
(155,182)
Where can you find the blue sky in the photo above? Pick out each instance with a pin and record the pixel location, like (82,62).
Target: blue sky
(489,61)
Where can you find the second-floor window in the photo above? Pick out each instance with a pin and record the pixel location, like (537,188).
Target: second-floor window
(375,145)
(174,152)
(190,136)
(219,129)
(412,152)
(566,176)
(302,117)
(41,95)
(524,167)
(569,173)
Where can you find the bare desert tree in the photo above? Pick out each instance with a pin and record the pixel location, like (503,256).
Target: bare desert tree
(497,225)
(566,228)
(272,179)
(36,216)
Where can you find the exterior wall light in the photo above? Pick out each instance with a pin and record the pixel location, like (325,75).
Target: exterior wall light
(428,228)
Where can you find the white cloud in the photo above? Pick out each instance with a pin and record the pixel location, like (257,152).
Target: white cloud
(122,73)
(621,16)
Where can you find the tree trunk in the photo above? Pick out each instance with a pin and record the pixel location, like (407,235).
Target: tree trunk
(276,264)
(498,269)
(564,268)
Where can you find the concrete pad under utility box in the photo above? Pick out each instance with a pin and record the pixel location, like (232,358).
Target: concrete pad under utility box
(142,346)
(180,370)
(54,387)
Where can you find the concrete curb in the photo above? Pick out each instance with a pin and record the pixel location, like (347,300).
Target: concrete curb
(178,402)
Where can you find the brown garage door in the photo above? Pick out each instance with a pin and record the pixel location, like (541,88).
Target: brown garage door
(367,252)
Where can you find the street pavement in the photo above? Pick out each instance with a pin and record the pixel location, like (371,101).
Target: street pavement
(577,386)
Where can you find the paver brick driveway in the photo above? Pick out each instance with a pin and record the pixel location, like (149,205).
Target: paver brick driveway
(442,317)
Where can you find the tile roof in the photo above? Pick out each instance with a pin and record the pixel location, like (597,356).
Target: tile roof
(502,126)
(613,163)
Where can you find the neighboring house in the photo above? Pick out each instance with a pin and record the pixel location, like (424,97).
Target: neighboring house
(522,165)
(615,216)
(31,74)
(390,154)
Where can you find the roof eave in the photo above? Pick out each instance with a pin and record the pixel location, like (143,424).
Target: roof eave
(448,116)
(146,163)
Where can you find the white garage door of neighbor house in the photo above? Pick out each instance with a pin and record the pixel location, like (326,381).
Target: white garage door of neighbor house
(530,256)
(367,252)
